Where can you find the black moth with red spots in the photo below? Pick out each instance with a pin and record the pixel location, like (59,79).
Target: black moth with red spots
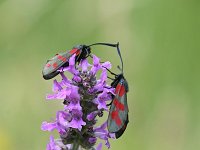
(118,114)
(50,70)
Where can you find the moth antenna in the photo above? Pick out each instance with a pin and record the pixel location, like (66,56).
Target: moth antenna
(119,68)
(111,45)
(107,44)
(119,53)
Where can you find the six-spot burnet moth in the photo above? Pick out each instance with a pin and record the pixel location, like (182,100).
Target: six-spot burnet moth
(118,114)
(50,70)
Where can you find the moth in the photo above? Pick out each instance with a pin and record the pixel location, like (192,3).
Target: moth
(118,113)
(52,65)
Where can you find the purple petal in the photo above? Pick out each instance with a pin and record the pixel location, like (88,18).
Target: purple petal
(72,60)
(51,96)
(52,145)
(74,93)
(99,147)
(64,81)
(92,115)
(107,65)
(101,100)
(101,104)
(77,124)
(96,65)
(63,118)
(102,133)
(84,65)
(107,143)
(102,127)
(64,93)
(71,68)
(77,121)
(48,126)
(56,86)
(77,78)
(110,90)
(112,135)
(96,60)
(92,140)
(103,76)
(98,87)
(72,106)
(101,82)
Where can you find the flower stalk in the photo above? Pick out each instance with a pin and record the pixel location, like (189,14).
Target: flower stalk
(85,98)
(75,145)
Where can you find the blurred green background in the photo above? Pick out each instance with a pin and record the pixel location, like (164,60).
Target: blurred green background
(160,43)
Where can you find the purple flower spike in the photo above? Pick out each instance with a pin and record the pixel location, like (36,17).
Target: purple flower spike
(56,145)
(85,97)
(77,121)
(52,145)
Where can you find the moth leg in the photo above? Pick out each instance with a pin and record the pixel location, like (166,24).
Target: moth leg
(109,103)
(110,72)
(111,78)
(90,56)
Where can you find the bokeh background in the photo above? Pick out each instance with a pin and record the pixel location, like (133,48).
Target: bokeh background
(160,43)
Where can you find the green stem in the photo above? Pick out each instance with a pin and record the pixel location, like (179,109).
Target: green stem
(75,145)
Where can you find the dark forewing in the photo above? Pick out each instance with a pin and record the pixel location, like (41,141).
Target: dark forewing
(59,60)
(118,114)
(121,131)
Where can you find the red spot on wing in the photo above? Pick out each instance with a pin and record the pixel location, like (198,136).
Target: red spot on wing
(115,116)
(115,113)
(78,52)
(48,65)
(73,51)
(118,105)
(55,65)
(118,121)
(120,89)
(61,58)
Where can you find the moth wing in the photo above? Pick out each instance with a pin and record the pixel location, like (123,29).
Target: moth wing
(118,114)
(53,64)
(121,131)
